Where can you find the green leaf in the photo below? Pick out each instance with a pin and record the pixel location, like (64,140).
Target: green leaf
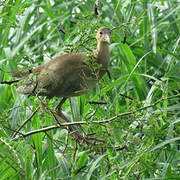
(94,166)
(163,144)
(83,158)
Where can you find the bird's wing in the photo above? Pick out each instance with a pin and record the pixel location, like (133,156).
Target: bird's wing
(58,77)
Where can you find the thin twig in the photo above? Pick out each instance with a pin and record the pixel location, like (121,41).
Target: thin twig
(3,70)
(124,40)
(61,118)
(11,129)
(9,82)
(75,151)
(10,164)
(140,109)
(95,139)
(79,169)
(98,103)
(119,27)
(67,139)
(25,122)
(36,131)
(109,74)
(95,122)
(49,111)
(130,98)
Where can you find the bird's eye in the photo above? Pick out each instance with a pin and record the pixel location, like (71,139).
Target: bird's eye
(101,32)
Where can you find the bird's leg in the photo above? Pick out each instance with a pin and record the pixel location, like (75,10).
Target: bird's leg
(59,106)
(62,118)
(78,135)
(61,115)
(59,110)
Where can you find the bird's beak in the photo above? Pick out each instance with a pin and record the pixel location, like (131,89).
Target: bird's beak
(106,38)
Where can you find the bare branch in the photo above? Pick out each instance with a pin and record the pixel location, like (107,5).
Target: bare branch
(25,122)
(140,109)
(95,122)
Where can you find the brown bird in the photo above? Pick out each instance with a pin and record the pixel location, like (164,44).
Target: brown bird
(70,74)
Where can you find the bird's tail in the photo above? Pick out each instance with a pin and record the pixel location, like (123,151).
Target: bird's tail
(27,87)
(21,74)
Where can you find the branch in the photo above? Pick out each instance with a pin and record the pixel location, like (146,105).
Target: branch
(95,122)
(36,131)
(140,109)
(9,82)
(25,122)
(13,167)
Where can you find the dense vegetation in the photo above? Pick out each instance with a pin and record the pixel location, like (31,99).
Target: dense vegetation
(139,124)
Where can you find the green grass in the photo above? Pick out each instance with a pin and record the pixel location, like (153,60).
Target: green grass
(144,144)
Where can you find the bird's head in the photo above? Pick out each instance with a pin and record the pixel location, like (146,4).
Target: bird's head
(103,35)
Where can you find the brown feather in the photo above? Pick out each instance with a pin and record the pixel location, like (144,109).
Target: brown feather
(70,74)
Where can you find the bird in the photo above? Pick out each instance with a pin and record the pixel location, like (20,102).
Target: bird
(68,75)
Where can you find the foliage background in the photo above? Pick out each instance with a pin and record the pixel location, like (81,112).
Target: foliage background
(145,144)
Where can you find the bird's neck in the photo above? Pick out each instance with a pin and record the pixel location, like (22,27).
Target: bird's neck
(102,54)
